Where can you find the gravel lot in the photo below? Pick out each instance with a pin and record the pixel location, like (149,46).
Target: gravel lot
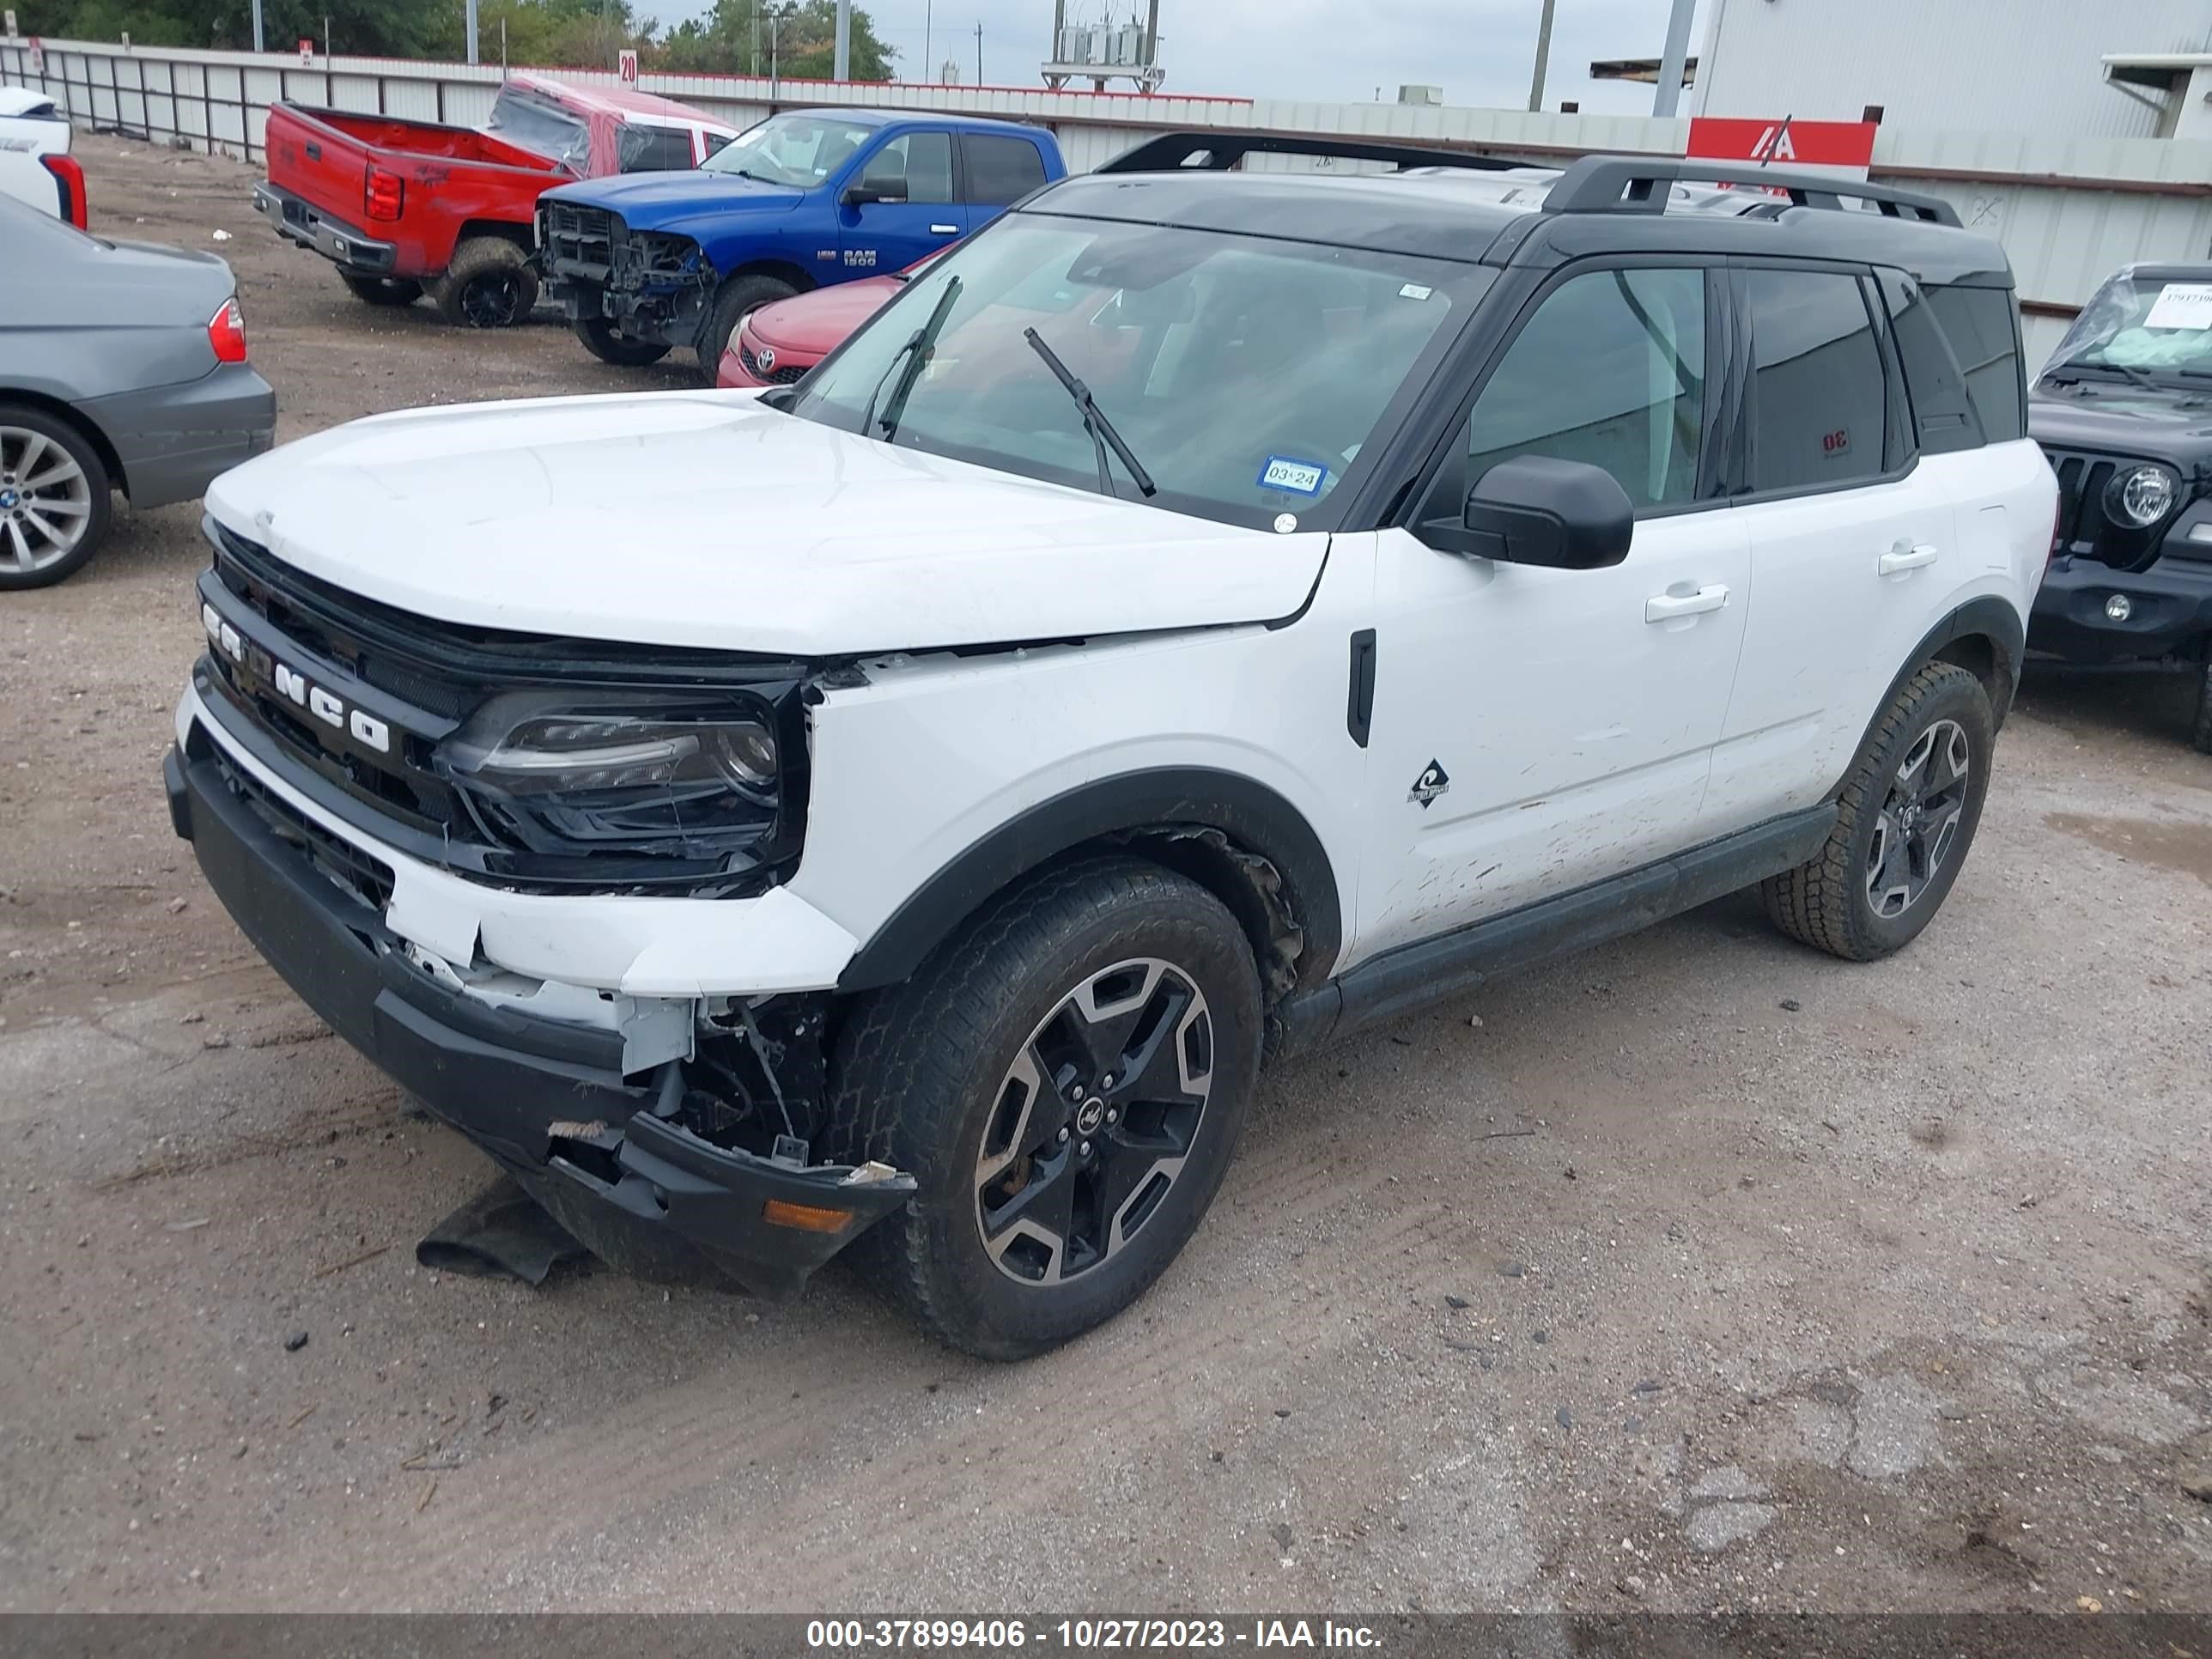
(1698,1271)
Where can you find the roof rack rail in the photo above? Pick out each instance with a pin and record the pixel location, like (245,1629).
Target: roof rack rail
(1625,184)
(1216,150)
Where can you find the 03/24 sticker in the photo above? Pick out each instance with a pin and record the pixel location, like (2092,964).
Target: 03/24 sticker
(1287,472)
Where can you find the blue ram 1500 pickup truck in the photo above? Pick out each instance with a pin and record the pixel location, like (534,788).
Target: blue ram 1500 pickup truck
(647,263)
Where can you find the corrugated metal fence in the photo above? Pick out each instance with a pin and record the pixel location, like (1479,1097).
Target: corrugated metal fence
(2067,210)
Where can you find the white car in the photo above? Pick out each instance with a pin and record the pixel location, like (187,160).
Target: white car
(35,166)
(1206,613)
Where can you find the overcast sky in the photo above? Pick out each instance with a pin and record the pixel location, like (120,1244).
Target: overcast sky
(1480,52)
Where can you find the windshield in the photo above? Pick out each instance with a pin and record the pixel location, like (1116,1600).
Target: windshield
(799,150)
(1244,375)
(2158,325)
(536,123)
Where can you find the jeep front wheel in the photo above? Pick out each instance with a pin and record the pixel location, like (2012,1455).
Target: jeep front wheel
(1906,817)
(1065,1081)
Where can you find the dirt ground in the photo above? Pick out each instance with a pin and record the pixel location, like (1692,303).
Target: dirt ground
(1698,1271)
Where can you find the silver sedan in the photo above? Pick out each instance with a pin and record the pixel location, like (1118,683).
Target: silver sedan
(122,367)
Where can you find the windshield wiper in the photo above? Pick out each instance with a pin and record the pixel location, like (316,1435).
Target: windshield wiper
(1094,421)
(2080,367)
(914,354)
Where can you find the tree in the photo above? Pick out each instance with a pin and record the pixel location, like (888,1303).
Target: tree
(398,29)
(556,33)
(805,35)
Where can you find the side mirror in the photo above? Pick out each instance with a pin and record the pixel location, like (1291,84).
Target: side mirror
(862,194)
(1538,509)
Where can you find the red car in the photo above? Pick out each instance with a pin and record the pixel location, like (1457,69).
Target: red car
(776,344)
(404,206)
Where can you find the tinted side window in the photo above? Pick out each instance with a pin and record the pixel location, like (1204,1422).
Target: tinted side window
(1984,328)
(1610,370)
(1944,415)
(1820,397)
(1002,170)
(920,163)
(654,149)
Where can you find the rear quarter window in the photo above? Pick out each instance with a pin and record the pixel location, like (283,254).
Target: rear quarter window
(1982,325)
(1944,418)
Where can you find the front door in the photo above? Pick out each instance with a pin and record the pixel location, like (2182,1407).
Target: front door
(1536,729)
(907,208)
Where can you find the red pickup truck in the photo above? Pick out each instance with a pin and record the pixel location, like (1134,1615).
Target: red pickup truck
(404,208)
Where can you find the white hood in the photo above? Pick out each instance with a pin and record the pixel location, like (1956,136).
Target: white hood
(705,519)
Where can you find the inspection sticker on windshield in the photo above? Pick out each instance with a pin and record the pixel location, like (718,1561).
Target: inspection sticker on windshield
(1414,291)
(2181,305)
(1299,477)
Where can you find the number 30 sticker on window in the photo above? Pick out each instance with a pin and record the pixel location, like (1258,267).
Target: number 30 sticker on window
(1299,477)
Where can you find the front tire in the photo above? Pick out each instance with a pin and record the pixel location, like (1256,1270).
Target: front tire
(609,345)
(388,292)
(741,296)
(1909,810)
(54,504)
(490,285)
(1065,1080)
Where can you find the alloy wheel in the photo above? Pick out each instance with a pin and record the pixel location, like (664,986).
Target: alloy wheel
(1094,1120)
(45,499)
(493,299)
(1920,818)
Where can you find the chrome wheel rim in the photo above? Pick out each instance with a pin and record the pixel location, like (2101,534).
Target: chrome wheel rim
(1918,826)
(46,501)
(1093,1121)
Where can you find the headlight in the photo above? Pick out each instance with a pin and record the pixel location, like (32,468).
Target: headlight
(668,786)
(2141,496)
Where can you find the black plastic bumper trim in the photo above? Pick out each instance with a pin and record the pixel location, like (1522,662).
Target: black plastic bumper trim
(504,1079)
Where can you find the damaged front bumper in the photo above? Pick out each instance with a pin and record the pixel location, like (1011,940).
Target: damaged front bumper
(605,1151)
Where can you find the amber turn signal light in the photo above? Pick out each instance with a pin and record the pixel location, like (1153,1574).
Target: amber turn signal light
(807,1217)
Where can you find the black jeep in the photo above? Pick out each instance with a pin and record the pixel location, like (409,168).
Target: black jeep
(2124,412)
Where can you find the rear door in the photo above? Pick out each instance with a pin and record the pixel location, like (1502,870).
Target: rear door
(909,205)
(1853,539)
(997,169)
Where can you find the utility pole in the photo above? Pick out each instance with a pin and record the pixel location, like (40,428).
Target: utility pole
(472,30)
(257,25)
(979,54)
(928,68)
(843,57)
(1543,57)
(1670,63)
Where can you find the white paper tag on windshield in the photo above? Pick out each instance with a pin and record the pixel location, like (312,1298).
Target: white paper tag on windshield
(2181,305)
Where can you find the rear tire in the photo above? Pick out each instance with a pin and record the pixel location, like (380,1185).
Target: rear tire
(1909,810)
(392,292)
(1093,1038)
(490,285)
(603,340)
(739,296)
(2201,736)
(54,503)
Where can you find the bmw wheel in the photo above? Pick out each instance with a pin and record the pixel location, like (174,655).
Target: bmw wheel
(1066,1082)
(1906,817)
(54,505)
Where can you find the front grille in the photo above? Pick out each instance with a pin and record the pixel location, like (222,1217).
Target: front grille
(367,878)
(578,235)
(2081,481)
(780,375)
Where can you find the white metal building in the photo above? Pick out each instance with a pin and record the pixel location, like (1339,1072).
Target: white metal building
(1985,65)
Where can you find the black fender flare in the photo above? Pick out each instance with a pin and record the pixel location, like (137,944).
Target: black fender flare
(1990,618)
(1254,817)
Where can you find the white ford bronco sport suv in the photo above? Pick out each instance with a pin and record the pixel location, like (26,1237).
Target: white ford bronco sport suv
(1212,610)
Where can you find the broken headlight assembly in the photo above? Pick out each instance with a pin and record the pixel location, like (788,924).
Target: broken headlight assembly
(642,791)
